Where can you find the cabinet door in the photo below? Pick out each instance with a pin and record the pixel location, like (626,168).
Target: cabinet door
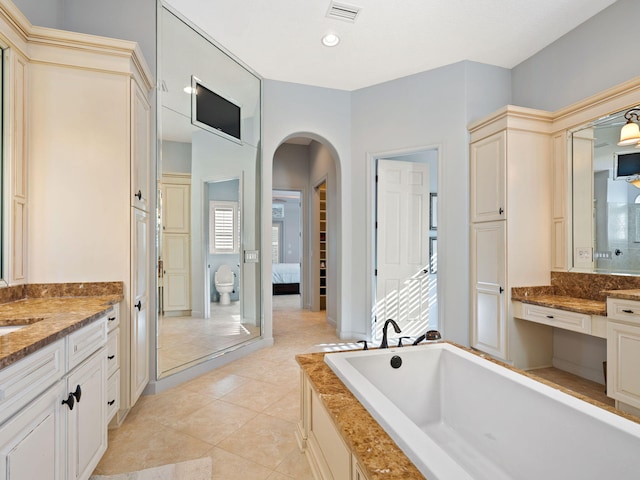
(488,280)
(140,148)
(32,443)
(87,421)
(139,375)
(488,178)
(176,210)
(623,358)
(176,293)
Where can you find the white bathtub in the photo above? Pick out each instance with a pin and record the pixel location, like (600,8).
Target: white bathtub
(458,416)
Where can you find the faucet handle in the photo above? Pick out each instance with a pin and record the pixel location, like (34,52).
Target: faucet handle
(366,347)
(400,341)
(433,335)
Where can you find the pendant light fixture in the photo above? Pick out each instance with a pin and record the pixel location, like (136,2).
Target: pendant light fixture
(630,133)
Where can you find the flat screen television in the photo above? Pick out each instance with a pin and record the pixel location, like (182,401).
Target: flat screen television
(626,165)
(214,112)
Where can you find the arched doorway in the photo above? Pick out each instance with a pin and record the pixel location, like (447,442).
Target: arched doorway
(308,165)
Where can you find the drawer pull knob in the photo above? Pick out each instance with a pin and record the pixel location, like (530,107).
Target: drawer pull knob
(111,402)
(69,402)
(138,305)
(138,195)
(627,311)
(111,357)
(500,211)
(549,316)
(77,393)
(111,319)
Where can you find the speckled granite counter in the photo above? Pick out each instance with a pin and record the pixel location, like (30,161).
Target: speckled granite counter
(50,312)
(572,304)
(375,450)
(580,292)
(633,294)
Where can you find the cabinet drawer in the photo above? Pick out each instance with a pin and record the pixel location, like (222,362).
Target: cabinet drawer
(577,322)
(26,379)
(627,311)
(113,351)
(113,395)
(81,344)
(113,318)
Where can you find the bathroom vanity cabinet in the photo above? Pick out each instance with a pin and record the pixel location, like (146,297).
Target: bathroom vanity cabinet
(509,229)
(623,352)
(53,420)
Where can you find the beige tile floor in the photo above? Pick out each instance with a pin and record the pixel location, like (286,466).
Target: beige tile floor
(183,341)
(242,415)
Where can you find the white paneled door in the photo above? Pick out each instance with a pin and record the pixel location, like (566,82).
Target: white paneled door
(402,255)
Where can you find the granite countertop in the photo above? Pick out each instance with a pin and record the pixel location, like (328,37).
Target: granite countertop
(561,302)
(49,317)
(377,453)
(632,294)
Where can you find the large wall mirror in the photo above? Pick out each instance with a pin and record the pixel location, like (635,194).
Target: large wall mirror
(208,199)
(605,198)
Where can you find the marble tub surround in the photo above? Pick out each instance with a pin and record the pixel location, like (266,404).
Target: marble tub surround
(47,317)
(377,453)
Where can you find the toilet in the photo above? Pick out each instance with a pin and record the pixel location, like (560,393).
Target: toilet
(224,280)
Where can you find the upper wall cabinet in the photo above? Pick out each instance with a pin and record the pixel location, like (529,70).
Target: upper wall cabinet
(487,172)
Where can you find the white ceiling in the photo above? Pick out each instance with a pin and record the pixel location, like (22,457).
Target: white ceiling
(280,39)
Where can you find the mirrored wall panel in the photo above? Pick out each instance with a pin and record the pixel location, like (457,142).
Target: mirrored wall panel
(208,199)
(606,198)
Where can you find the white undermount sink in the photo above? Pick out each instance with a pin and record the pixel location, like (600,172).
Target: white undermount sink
(4,330)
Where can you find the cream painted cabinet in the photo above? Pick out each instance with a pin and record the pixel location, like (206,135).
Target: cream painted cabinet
(53,425)
(140,148)
(176,243)
(488,281)
(113,362)
(140,341)
(87,420)
(329,456)
(88,216)
(623,351)
(510,221)
(488,178)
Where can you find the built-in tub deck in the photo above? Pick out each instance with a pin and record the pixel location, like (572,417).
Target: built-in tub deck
(380,455)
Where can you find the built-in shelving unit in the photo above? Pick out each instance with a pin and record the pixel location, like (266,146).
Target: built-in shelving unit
(322,192)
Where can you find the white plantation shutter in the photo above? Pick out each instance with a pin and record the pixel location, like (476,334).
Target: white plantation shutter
(223,227)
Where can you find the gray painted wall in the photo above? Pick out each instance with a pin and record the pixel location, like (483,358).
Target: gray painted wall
(585,61)
(429,109)
(176,157)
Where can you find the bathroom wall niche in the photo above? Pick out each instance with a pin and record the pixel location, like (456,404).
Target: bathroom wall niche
(209,190)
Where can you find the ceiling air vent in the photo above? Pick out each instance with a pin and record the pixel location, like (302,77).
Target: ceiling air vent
(341,11)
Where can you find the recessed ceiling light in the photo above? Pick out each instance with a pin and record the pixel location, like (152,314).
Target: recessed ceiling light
(330,40)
